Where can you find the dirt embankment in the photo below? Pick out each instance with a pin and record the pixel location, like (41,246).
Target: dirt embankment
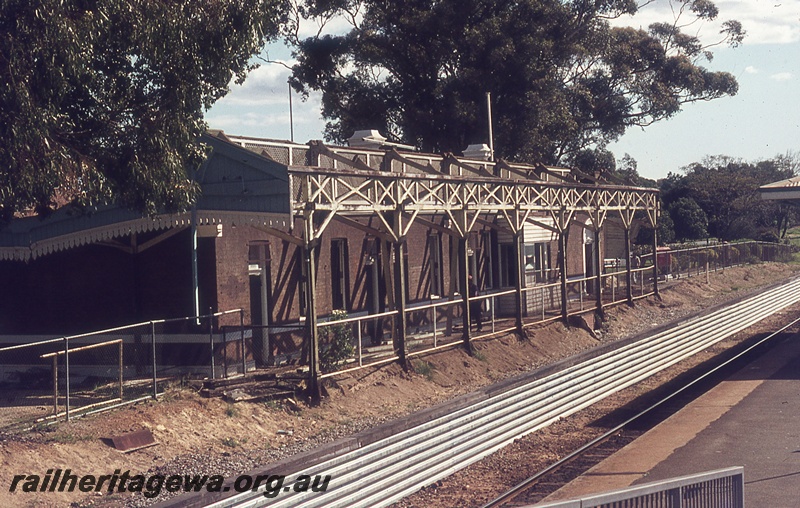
(197,435)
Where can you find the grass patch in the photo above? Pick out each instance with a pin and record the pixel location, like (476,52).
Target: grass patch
(478,355)
(232,411)
(68,438)
(425,369)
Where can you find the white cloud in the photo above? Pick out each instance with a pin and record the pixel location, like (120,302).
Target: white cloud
(750,70)
(269,119)
(781,76)
(765,21)
(264,86)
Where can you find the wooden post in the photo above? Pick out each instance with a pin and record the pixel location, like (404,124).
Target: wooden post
(66,377)
(195,279)
(55,385)
(241,337)
(655,261)
(628,275)
(211,343)
(400,302)
(314,392)
(120,371)
(153,350)
(463,274)
(450,309)
(562,262)
(598,261)
(520,274)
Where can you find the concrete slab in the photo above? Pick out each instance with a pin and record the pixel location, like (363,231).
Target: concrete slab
(752,419)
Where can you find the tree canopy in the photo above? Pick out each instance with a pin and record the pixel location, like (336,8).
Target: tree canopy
(104,99)
(724,192)
(562,78)
(688,219)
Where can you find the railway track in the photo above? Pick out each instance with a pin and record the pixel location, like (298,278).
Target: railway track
(527,492)
(387,470)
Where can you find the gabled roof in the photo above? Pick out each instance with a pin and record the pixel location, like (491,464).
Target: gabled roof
(783,190)
(237,186)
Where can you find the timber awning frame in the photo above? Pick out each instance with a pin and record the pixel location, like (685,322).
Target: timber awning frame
(319,194)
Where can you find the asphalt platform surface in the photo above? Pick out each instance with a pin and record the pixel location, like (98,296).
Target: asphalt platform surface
(751,419)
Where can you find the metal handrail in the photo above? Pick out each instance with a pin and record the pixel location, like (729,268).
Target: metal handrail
(675,487)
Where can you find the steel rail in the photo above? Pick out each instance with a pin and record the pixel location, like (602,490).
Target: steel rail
(530,481)
(387,470)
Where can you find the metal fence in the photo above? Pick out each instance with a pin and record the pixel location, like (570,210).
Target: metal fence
(723,488)
(367,339)
(45,380)
(698,261)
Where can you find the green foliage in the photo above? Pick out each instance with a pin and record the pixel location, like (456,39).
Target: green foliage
(690,221)
(561,78)
(666,232)
(104,100)
(727,190)
(338,345)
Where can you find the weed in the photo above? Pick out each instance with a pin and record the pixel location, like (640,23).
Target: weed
(68,438)
(232,411)
(479,356)
(232,442)
(339,344)
(425,369)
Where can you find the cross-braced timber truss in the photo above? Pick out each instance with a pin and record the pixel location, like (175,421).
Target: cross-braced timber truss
(323,193)
(401,199)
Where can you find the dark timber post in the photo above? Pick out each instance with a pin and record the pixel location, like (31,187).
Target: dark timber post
(655,260)
(628,277)
(520,274)
(598,261)
(463,273)
(314,392)
(562,262)
(400,301)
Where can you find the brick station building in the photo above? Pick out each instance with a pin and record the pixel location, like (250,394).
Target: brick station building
(291,232)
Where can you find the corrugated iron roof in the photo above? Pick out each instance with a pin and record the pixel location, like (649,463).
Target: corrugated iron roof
(789,183)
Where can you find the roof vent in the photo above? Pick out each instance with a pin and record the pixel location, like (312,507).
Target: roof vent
(366,139)
(478,151)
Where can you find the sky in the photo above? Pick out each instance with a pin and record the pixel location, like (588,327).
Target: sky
(760,122)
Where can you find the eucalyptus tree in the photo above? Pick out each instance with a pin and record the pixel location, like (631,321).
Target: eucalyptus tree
(563,76)
(104,99)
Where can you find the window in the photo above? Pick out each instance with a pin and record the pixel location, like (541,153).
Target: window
(435,264)
(258,268)
(537,260)
(508,265)
(339,273)
(530,257)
